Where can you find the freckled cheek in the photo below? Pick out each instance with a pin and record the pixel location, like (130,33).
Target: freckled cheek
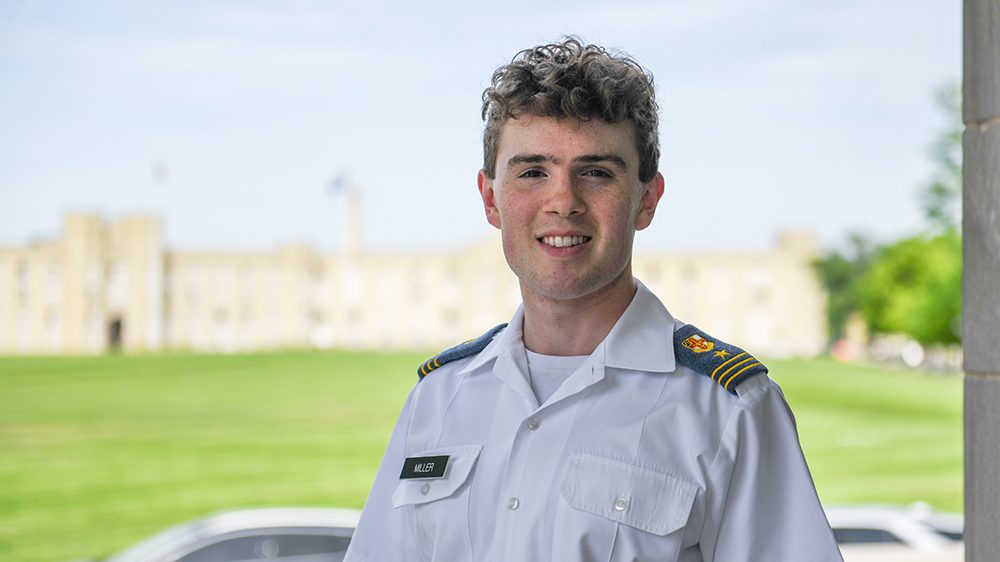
(514,253)
(517,216)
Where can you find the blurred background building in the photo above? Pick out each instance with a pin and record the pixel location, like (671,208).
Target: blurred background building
(113,286)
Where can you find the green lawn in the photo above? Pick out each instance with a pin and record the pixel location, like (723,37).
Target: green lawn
(98,453)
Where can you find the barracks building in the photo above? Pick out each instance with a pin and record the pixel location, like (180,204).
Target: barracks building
(113,286)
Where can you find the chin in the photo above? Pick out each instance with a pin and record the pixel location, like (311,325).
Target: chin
(570,289)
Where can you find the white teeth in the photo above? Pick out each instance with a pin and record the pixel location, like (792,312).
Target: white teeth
(564,241)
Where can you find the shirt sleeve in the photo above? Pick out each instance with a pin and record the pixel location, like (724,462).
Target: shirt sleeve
(764,505)
(385,533)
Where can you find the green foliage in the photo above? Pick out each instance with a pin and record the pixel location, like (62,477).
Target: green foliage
(914,287)
(941,198)
(101,452)
(839,274)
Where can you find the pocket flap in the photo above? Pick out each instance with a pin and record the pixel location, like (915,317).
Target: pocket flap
(460,462)
(648,500)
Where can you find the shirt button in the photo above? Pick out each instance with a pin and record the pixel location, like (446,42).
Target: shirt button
(621,504)
(513,503)
(533,423)
(425,489)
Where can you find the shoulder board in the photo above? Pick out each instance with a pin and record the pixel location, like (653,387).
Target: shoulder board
(460,351)
(724,363)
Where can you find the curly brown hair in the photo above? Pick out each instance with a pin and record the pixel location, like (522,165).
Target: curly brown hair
(571,79)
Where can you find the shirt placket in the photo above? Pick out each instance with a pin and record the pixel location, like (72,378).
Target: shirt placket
(530,478)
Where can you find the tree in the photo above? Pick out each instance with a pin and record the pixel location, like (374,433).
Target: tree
(840,273)
(941,198)
(914,287)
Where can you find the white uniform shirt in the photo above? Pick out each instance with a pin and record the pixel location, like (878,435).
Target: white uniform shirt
(634,458)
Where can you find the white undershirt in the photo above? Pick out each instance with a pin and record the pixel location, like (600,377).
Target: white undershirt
(546,373)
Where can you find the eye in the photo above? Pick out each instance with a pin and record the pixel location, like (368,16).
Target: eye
(532,174)
(597,173)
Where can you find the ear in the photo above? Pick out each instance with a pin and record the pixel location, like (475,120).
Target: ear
(651,193)
(489,198)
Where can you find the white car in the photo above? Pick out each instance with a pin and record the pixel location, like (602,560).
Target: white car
(286,534)
(864,533)
(897,534)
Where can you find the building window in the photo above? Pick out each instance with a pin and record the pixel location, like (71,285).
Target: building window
(22,284)
(95,328)
(94,280)
(352,285)
(53,331)
(117,286)
(22,331)
(54,291)
(760,286)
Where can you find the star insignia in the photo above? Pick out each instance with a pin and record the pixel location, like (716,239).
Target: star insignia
(721,353)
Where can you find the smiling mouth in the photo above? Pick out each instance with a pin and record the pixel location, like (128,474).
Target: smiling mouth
(564,241)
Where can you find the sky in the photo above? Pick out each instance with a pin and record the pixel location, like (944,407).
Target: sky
(230,120)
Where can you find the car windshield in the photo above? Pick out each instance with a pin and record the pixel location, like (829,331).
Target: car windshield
(273,544)
(861,535)
(951,535)
(147,548)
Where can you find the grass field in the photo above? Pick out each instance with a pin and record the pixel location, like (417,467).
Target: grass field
(98,453)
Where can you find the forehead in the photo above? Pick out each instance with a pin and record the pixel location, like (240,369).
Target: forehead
(566,137)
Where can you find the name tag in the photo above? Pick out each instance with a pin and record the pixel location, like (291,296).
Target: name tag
(423,467)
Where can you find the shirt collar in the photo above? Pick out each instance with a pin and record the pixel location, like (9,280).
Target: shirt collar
(643,337)
(641,340)
(507,340)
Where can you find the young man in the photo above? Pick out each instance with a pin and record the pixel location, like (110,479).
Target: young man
(594,426)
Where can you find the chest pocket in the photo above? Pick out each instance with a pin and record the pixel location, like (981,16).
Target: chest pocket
(648,500)
(418,491)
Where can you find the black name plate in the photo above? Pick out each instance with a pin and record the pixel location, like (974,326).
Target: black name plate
(423,467)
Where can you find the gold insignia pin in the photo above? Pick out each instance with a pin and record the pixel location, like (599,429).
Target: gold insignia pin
(722,353)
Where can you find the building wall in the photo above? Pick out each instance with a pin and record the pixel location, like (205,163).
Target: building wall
(32,319)
(770,302)
(84,266)
(113,286)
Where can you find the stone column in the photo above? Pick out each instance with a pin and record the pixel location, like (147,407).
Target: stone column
(981,282)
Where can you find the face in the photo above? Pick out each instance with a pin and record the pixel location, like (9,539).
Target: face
(567,199)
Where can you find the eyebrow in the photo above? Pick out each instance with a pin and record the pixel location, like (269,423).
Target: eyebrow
(595,158)
(518,159)
(586,158)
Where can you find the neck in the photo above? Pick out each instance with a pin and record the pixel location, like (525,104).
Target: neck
(576,326)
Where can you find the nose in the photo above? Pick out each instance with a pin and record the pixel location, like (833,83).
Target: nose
(564,197)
